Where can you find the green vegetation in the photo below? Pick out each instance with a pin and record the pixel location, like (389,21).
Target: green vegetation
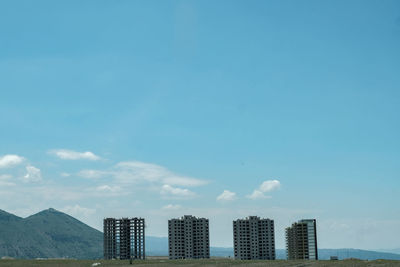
(53,234)
(193,263)
(48,234)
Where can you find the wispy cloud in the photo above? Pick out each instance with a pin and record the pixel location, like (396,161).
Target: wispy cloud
(5,180)
(227,196)
(130,171)
(108,188)
(265,187)
(33,174)
(170,191)
(73,155)
(78,211)
(93,174)
(183,181)
(257,194)
(4,177)
(147,175)
(172,207)
(8,161)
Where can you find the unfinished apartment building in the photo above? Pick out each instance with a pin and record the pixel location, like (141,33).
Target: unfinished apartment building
(188,238)
(301,240)
(254,239)
(124,238)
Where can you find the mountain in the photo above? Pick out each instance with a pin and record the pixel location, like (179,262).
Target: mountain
(158,246)
(345,253)
(323,254)
(8,217)
(221,252)
(48,234)
(53,234)
(393,250)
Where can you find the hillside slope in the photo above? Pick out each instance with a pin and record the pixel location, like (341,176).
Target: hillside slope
(48,234)
(53,234)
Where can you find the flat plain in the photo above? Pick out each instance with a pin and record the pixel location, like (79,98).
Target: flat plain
(193,263)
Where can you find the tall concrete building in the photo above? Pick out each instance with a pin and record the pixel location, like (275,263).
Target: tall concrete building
(124,238)
(254,239)
(110,238)
(188,238)
(301,240)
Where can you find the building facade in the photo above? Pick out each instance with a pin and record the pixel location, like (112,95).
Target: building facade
(110,238)
(254,239)
(301,240)
(188,238)
(124,238)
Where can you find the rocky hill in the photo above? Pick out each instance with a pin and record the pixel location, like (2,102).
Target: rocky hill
(48,234)
(53,234)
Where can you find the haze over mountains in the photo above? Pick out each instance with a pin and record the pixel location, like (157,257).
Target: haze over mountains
(53,234)
(159,246)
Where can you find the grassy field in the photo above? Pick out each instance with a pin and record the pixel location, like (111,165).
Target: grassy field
(193,263)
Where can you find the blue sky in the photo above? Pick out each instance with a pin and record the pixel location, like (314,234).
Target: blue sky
(292,107)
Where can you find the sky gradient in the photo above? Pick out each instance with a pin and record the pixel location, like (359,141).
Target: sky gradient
(222,109)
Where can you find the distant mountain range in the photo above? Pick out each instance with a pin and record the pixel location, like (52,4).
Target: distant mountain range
(159,246)
(53,234)
(395,250)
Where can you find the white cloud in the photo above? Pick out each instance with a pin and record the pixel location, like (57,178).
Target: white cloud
(257,195)
(64,193)
(183,181)
(4,180)
(65,174)
(92,174)
(172,207)
(176,191)
(5,177)
(265,187)
(7,161)
(74,155)
(130,171)
(270,185)
(3,183)
(152,176)
(227,196)
(78,211)
(134,171)
(33,174)
(108,188)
